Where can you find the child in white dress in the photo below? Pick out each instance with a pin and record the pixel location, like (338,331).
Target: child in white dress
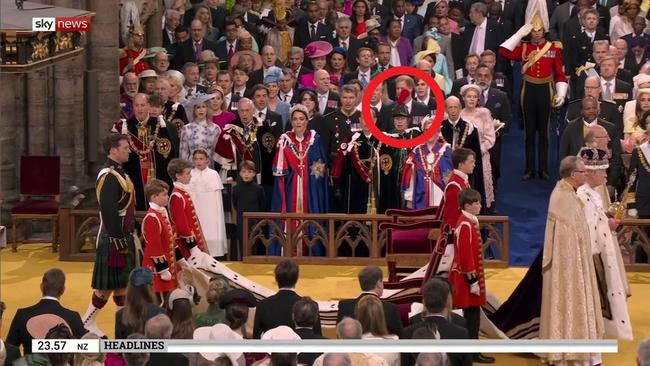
(206,191)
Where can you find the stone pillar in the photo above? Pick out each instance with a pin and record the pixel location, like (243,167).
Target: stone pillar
(102,57)
(38,111)
(154,26)
(12,138)
(69,119)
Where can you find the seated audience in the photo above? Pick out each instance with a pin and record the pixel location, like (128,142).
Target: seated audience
(371,281)
(35,321)
(59,331)
(140,304)
(370,314)
(180,304)
(160,327)
(276,310)
(305,315)
(216,288)
(350,328)
(89,359)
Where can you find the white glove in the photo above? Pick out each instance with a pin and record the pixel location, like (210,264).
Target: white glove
(161,122)
(475,289)
(560,88)
(165,275)
(513,41)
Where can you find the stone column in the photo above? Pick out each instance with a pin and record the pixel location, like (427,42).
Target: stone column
(12,138)
(69,119)
(102,58)
(154,26)
(38,112)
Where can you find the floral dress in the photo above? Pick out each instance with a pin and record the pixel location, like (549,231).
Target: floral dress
(482,119)
(198,135)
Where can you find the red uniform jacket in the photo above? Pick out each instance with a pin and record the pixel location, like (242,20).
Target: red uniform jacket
(468,263)
(550,65)
(129,53)
(159,250)
(231,149)
(186,224)
(449,209)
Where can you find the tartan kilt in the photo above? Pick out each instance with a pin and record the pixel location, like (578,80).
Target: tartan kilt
(105,277)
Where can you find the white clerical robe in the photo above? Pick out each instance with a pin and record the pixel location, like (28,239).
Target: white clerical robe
(205,189)
(609,266)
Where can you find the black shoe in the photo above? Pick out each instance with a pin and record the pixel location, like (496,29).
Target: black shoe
(544,176)
(481,358)
(528,176)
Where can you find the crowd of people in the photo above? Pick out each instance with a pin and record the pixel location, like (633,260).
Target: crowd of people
(260,102)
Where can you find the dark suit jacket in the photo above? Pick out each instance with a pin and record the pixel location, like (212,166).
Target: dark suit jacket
(165,37)
(622,93)
(513,11)
(493,36)
(573,139)
(12,353)
(19,335)
(353,47)
(499,105)
(577,46)
(447,330)
(308,333)
(171,359)
(381,10)
(302,34)
(608,111)
(355,75)
(384,117)
(391,313)
(222,52)
(275,311)
(560,16)
(455,319)
(456,85)
(185,52)
(331,98)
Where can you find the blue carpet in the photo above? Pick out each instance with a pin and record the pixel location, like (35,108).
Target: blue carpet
(525,202)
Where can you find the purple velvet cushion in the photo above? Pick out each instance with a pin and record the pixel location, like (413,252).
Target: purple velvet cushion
(39,175)
(36,207)
(411,241)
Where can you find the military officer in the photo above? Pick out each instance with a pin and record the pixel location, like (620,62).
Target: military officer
(132,56)
(542,67)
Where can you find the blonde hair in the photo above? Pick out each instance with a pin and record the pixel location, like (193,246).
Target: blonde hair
(370,313)
(89,359)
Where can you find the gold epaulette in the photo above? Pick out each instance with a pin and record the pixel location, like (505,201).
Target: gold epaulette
(122,53)
(558,44)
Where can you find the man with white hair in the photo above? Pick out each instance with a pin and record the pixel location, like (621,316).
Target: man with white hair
(327,101)
(130,84)
(296,61)
(608,109)
(172,21)
(350,44)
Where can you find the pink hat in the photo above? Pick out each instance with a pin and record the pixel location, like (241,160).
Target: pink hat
(318,49)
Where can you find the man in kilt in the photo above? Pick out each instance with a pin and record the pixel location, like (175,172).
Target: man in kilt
(115,255)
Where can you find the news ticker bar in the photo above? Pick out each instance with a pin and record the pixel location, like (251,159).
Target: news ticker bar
(323,346)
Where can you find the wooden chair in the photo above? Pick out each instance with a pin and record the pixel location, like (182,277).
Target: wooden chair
(408,245)
(39,194)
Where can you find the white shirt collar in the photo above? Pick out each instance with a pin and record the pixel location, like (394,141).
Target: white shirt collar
(241,91)
(409,105)
(378,106)
(185,187)
(257,111)
(157,207)
(424,101)
(461,174)
(470,216)
(453,123)
(49,298)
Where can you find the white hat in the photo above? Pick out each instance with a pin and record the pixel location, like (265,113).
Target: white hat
(641,79)
(177,74)
(148,74)
(218,331)
(282,333)
(197,98)
(177,294)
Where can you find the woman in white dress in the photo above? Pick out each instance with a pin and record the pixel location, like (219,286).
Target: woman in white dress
(200,133)
(206,191)
(482,119)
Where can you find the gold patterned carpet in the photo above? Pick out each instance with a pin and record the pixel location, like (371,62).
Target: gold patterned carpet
(21,274)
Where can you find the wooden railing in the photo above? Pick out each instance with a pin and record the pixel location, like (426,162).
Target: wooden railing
(344,233)
(78,232)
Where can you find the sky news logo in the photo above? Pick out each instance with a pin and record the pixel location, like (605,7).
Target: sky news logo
(61,24)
